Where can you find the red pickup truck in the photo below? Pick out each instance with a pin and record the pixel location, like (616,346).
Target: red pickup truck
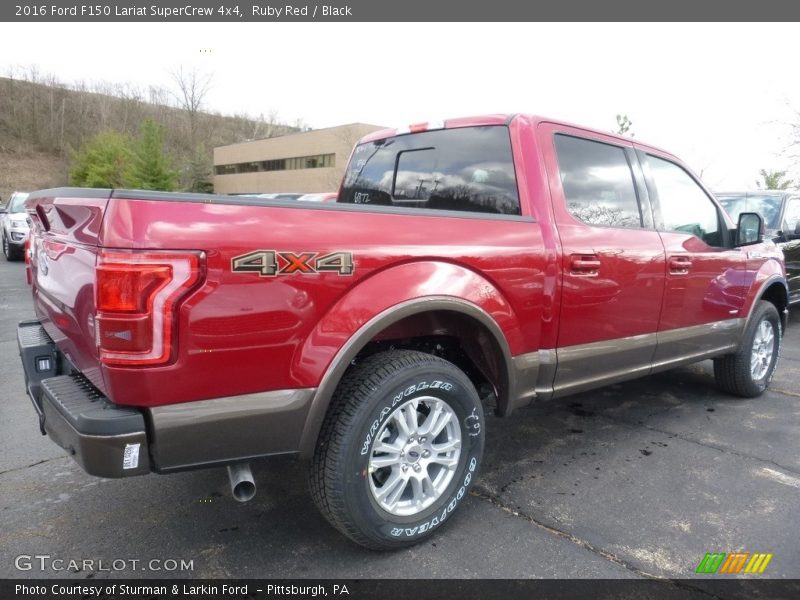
(511,257)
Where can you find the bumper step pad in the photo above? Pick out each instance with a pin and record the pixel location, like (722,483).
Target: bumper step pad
(87,410)
(106,440)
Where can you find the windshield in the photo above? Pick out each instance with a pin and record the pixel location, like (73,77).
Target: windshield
(17,203)
(767,205)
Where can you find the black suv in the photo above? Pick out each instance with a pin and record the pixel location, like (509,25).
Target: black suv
(781,212)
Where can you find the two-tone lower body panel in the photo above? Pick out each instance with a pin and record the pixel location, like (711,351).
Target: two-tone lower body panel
(574,369)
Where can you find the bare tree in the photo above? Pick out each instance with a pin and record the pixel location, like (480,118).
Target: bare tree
(349,138)
(624,125)
(192,89)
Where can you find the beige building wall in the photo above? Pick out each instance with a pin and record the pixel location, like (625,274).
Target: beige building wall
(338,141)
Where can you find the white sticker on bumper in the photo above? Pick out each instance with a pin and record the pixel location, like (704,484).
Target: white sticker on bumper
(130,459)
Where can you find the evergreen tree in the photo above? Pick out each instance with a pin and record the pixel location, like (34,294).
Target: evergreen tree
(150,167)
(101,161)
(774,180)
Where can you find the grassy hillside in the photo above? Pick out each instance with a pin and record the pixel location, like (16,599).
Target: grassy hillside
(43,121)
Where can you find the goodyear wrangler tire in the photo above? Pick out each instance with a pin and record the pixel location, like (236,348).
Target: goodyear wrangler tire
(748,372)
(399,449)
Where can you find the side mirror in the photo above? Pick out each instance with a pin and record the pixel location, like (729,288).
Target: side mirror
(750,229)
(3,210)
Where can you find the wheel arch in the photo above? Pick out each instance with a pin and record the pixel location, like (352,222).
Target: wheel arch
(493,358)
(775,290)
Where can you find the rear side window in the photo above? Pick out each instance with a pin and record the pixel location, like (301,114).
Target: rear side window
(598,182)
(469,169)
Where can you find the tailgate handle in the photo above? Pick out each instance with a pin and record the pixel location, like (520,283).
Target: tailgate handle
(680,265)
(584,265)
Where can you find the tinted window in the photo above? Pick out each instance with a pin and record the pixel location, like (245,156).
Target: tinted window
(768,206)
(792,217)
(598,182)
(684,205)
(468,169)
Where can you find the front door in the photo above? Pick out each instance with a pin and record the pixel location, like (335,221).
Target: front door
(706,279)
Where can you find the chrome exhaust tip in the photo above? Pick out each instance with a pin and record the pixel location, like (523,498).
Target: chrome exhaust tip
(243,487)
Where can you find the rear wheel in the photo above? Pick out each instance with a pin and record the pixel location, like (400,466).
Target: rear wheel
(747,372)
(399,449)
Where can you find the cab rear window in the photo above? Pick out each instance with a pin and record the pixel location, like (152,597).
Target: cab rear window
(469,169)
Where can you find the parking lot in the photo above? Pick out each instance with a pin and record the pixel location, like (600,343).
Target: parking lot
(634,480)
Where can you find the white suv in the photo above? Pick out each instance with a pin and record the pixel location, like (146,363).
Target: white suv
(14,220)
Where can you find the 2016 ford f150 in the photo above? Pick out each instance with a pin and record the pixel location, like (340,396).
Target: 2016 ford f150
(516,256)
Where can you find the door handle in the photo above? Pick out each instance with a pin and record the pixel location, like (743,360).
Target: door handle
(584,265)
(680,265)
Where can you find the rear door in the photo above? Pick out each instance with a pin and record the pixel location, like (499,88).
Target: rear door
(612,258)
(706,280)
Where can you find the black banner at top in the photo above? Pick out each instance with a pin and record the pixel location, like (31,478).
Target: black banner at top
(339,11)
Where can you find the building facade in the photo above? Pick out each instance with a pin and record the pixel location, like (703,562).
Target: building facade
(309,161)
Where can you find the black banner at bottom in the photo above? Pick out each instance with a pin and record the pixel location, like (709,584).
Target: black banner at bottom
(411,589)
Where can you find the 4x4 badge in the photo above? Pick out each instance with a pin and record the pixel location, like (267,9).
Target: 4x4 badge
(269,263)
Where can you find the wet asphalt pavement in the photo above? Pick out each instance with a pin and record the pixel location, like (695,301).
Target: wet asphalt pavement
(634,480)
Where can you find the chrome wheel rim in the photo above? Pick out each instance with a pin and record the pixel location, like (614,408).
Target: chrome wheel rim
(414,456)
(763,349)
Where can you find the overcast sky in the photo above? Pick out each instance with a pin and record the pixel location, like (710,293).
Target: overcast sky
(720,96)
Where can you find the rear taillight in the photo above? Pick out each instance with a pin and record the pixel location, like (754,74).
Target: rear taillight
(136,295)
(27,253)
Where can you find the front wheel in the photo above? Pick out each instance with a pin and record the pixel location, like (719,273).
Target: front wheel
(399,449)
(10,252)
(747,372)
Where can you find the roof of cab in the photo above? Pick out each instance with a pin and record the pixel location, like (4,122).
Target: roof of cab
(497,119)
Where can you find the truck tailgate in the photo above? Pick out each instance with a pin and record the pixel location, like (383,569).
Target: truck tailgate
(66,232)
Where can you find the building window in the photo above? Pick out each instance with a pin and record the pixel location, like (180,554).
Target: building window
(273,165)
(281,164)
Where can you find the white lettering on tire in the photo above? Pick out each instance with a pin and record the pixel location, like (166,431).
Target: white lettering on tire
(427,526)
(422,385)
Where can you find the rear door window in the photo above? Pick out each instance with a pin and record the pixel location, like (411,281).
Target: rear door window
(467,169)
(598,182)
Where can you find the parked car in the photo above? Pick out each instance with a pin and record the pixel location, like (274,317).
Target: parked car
(781,212)
(506,257)
(319,197)
(14,222)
